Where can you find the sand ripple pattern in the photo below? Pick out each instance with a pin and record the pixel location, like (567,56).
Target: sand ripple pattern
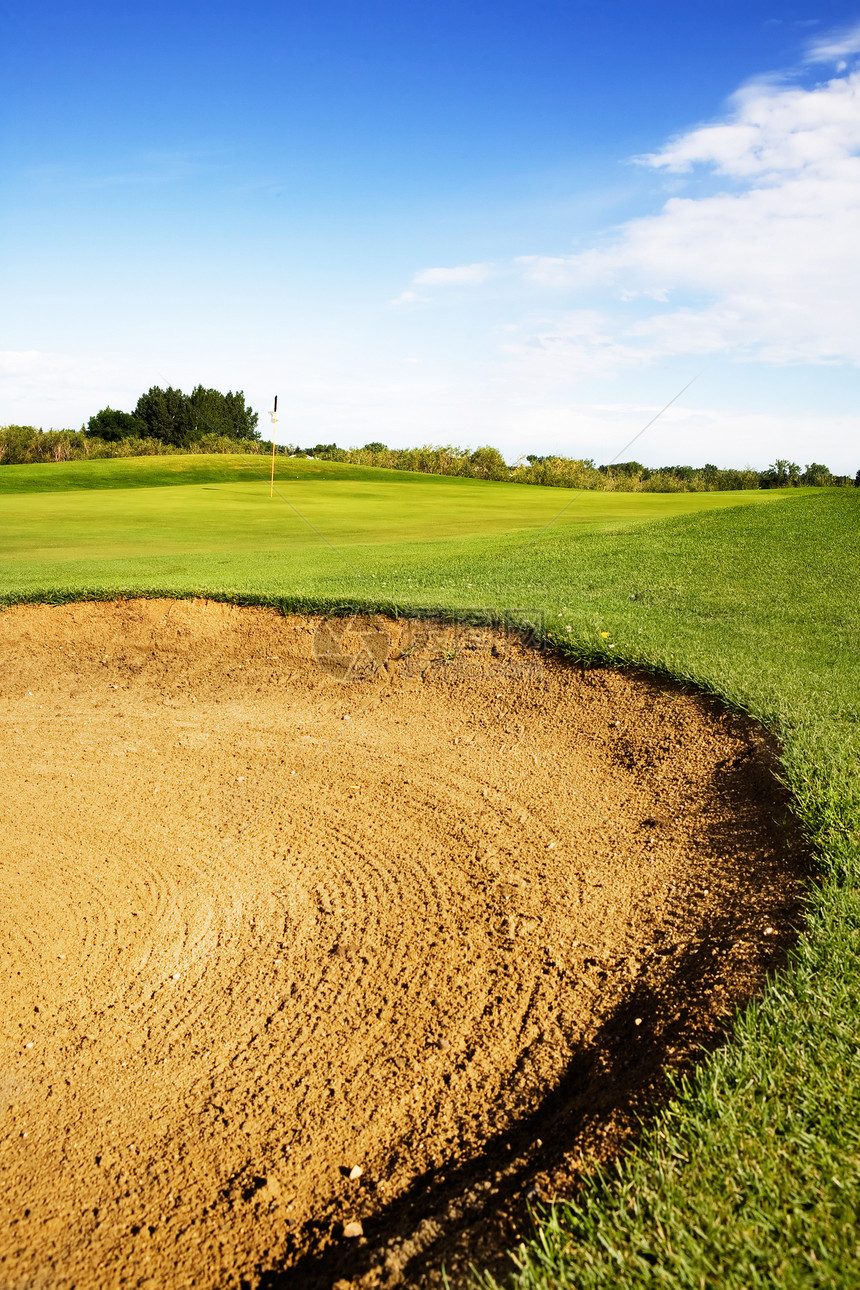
(261,927)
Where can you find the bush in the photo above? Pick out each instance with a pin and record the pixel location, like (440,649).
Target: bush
(112,426)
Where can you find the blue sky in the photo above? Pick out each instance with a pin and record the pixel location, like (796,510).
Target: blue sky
(528,224)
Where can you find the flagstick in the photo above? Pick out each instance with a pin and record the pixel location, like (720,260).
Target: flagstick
(274,415)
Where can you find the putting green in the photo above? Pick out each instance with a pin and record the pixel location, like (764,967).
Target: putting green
(309,510)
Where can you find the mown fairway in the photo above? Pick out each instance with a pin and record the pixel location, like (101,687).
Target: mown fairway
(750,1179)
(173,522)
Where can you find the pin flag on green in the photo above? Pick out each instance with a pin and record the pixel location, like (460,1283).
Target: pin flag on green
(274,415)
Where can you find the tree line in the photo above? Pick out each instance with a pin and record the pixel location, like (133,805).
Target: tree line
(207,421)
(178,419)
(164,421)
(573,472)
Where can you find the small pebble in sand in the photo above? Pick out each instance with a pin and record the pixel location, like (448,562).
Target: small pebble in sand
(353,1229)
(355,1172)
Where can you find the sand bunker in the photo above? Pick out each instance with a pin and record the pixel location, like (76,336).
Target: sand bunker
(309,983)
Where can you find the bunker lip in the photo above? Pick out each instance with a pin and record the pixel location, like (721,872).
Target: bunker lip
(308,981)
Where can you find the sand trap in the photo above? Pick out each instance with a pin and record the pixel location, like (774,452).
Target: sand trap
(281,955)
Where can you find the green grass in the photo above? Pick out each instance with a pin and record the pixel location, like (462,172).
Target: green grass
(751,1177)
(192,508)
(150,472)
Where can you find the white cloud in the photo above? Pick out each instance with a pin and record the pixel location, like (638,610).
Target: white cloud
(773,132)
(767,270)
(835,46)
(554,348)
(46,388)
(460,275)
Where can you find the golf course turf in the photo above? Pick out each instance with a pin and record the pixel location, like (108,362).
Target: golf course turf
(749,1177)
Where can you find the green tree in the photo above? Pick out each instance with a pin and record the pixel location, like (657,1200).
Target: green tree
(17,444)
(178,419)
(111,425)
(167,416)
(488,463)
(329,452)
(626,469)
(224,414)
(685,473)
(781,474)
(816,475)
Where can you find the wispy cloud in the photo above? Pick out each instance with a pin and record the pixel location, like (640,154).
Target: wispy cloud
(460,275)
(550,349)
(836,45)
(151,168)
(407,298)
